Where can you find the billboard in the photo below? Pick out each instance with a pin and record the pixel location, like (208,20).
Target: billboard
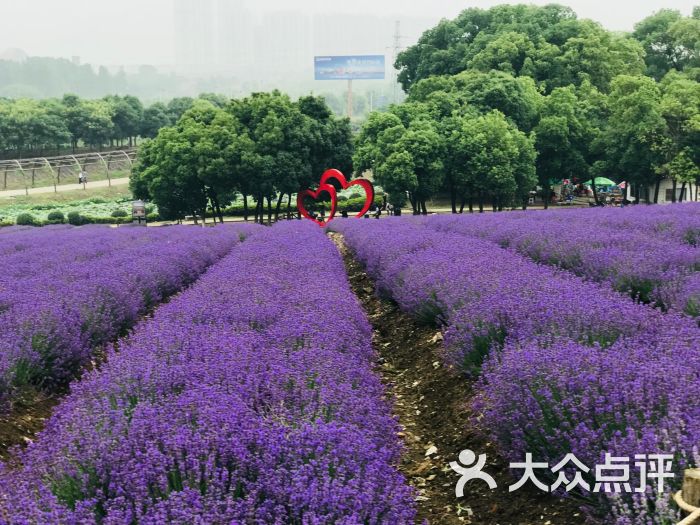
(352,67)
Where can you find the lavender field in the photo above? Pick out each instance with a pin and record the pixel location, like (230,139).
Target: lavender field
(241,381)
(65,291)
(562,364)
(238,402)
(651,254)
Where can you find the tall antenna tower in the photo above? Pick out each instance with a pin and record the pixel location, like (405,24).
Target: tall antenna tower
(396,50)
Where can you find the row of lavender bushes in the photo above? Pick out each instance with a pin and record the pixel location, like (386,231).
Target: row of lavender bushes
(249,398)
(565,365)
(64,291)
(649,252)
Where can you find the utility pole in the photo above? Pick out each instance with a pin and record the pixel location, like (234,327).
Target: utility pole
(349,101)
(397,50)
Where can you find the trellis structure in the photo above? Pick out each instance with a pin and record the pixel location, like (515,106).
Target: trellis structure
(24,173)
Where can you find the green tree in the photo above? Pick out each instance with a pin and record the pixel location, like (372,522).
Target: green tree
(567,135)
(154,117)
(517,98)
(193,164)
(670,41)
(546,43)
(177,107)
(636,134)
(397,175)
(127,115)
(410,131)
(493,160)
(426,147)
(368,152)
(282,137)
(97,127)
(164,175)
(330,137)
(75,113)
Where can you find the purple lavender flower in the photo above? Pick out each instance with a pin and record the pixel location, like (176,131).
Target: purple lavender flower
(248,398)
(65,290)
(649,253)
(566,364)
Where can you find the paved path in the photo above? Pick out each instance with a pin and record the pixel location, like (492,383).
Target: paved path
(65,187)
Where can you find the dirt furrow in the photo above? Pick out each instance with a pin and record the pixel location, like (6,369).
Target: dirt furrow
(432,403)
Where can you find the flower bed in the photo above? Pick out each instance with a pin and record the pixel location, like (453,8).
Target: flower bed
(565,365)
(64,291)
(649,252)
(249,398)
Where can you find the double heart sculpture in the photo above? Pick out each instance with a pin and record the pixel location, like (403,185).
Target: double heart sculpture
(325,186)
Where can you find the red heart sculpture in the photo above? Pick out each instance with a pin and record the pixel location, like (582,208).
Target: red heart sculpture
(367,185)
(328,188)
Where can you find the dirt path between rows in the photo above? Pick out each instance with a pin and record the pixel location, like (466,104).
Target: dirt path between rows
(432,403)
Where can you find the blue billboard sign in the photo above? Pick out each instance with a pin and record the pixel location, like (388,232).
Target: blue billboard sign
(353,67)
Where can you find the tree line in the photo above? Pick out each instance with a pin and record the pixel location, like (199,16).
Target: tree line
(504,99)
(30,127)
(48,77)
(500,101)
(264,147)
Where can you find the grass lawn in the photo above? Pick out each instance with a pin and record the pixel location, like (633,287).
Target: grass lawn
(97,202)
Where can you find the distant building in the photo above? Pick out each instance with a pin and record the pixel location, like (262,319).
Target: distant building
(195,36)
(282,46)
(342,34)
(691,192)
(224,37)
(235,27)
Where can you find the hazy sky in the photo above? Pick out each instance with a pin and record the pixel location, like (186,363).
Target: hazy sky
(141,31)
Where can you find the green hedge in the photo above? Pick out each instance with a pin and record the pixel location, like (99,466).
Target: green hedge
(27,219)
(76,219)
(56,217)
(353,204)
(344,203)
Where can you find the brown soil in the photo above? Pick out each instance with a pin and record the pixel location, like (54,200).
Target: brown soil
(432,403)
(32,407)
(25,420)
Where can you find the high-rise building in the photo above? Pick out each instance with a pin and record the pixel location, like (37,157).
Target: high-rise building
(346,34)
(283,46)
(235,29)
(195,36)
(273,48)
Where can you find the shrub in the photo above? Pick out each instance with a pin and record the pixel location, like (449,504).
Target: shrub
(56,217)
(99,220)
(119,213)
(26,219)
(356,204)
(75,218)
(152,217)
